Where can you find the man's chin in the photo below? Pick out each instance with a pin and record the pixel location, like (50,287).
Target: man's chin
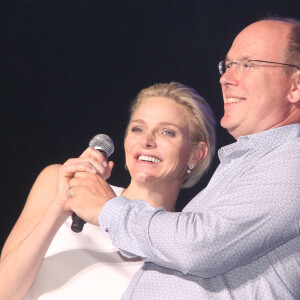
(226,122)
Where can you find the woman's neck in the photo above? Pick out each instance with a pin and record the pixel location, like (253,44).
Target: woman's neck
(158,195)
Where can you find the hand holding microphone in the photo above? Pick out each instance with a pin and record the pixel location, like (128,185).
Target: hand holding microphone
(105,145)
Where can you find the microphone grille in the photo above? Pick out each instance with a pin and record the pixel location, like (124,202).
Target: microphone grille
(103,143)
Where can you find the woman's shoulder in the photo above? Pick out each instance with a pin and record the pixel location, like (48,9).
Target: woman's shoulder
(50,170)
(42,192)
(46,181)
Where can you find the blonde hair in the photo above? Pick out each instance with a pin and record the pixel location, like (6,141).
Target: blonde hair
(202,120)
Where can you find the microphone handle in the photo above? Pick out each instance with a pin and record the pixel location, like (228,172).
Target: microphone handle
(77,224)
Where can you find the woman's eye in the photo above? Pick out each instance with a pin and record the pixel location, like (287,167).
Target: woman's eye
(136,129)
(168,132)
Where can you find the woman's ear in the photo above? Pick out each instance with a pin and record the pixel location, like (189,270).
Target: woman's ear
(199,152)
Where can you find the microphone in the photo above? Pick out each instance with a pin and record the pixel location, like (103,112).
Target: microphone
(105,145)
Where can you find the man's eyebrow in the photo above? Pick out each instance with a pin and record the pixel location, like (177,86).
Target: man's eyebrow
(244,57)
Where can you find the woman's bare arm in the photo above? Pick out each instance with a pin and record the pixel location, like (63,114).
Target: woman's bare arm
(42,216)
(25,247)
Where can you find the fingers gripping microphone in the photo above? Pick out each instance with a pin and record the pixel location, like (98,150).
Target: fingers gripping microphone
(105,145)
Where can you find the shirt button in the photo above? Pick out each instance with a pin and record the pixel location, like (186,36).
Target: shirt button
(106,230)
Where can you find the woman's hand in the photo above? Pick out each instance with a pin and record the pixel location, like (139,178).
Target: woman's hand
(81,185)
(47,207)
(88,192)
(98,160)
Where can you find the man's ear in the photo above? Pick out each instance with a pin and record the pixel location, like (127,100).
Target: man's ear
(199,153)
(294,94)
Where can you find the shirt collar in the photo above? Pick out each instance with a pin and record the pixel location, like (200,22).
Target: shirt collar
(262,140)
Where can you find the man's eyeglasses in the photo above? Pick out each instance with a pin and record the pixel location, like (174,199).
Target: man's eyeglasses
(246,65)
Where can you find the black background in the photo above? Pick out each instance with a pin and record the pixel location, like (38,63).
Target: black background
(70,68)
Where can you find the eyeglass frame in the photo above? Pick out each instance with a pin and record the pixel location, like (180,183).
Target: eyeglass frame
(222,66)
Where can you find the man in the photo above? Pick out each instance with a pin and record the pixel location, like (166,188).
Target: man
(239,237)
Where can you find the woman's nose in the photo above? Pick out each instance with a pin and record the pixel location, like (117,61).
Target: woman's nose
(148,140)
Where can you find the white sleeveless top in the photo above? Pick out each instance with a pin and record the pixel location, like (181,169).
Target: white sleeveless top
(83,266)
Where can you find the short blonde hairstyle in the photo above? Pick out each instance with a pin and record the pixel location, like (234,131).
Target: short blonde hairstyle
(202,120)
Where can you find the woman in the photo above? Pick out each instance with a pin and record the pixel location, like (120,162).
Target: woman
(169,143)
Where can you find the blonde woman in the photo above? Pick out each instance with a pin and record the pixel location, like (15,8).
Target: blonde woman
(169,143)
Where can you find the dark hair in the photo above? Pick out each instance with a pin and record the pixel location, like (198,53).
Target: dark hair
(292,52)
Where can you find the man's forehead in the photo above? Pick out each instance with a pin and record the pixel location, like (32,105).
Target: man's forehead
(267,27)
(260,40)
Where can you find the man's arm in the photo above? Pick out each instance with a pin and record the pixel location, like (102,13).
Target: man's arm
(250,219)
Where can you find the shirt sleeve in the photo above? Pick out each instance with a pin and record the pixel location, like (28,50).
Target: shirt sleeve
(258,212)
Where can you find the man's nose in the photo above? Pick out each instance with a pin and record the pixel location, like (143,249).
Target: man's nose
(230,77)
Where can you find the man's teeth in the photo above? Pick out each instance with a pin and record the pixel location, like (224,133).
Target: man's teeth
(149,158)
(233,100)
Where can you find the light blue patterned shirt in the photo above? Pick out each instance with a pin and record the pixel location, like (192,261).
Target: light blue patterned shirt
(237,239)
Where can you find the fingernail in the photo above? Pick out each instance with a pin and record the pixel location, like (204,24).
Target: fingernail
(93,170)
(105,163)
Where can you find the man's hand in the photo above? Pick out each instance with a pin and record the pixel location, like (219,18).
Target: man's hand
(88,194)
